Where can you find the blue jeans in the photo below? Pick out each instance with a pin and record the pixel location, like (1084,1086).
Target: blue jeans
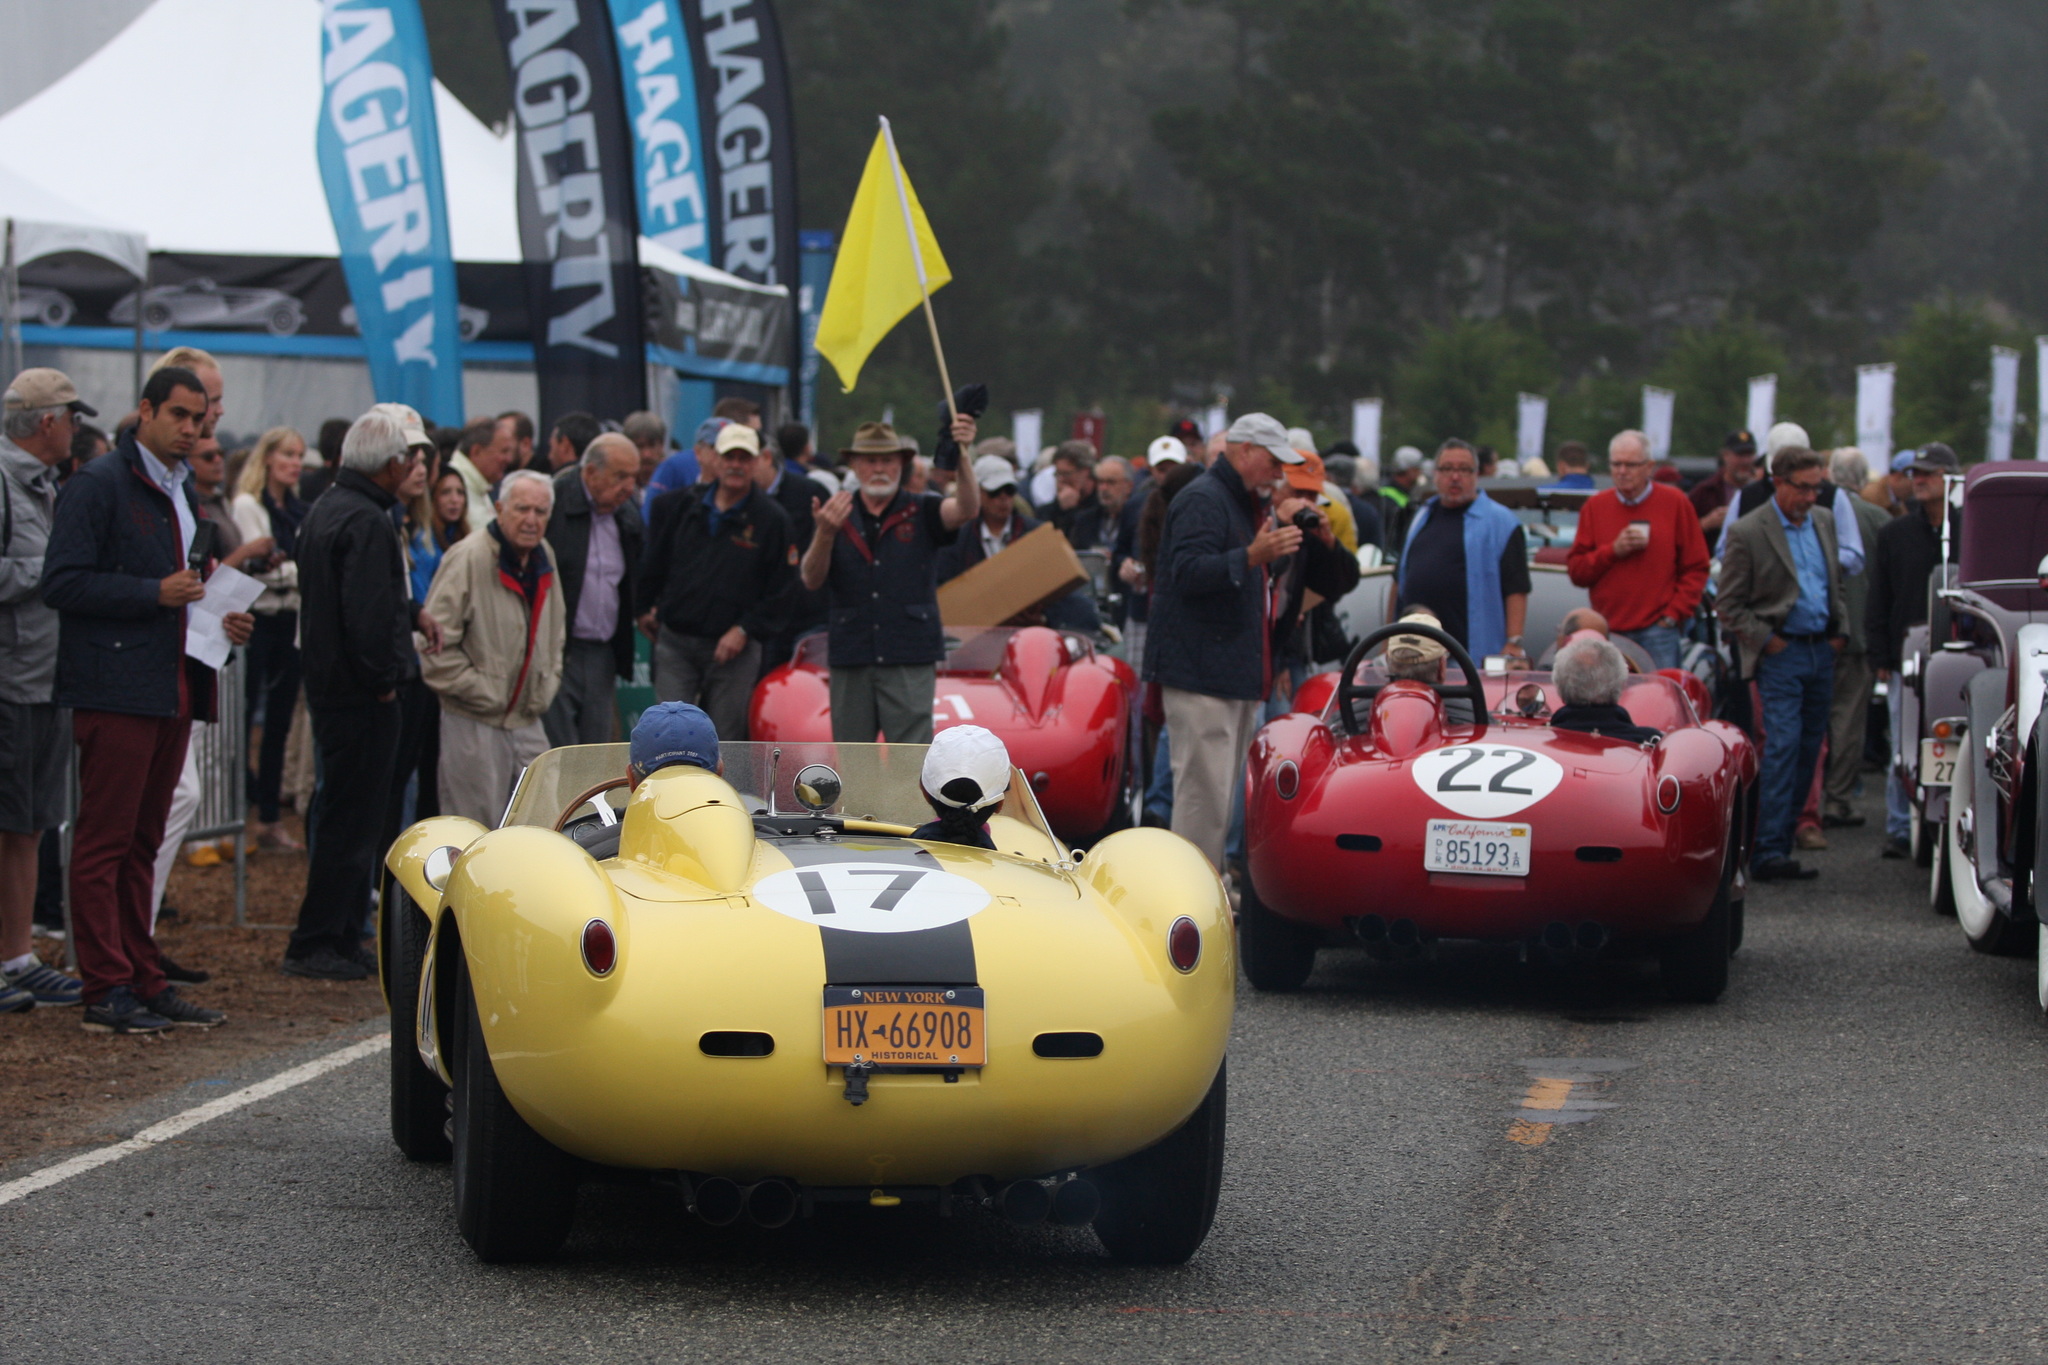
(1797,684)
(1159,796)
(1659,642)
(1898,802)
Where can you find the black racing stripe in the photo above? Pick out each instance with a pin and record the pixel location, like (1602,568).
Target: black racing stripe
(923,957)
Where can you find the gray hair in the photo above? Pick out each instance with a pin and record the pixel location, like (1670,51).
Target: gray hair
(1589,673)
(1629,435)
(1849,468)
(23,423)
(1118,462)
(519,476)
(593,454)
(374,441)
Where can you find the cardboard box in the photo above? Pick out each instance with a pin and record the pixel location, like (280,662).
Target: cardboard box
(1031,571)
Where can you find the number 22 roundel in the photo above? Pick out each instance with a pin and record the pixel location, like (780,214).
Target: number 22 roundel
(871,898)
(1487,781)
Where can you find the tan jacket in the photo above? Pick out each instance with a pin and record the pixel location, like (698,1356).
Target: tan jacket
(498,663)
(1759,583)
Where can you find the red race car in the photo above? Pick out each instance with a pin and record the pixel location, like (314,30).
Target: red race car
(1066,713)
(1381,822)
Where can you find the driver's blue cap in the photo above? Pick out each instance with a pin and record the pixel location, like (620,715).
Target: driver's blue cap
(674,732)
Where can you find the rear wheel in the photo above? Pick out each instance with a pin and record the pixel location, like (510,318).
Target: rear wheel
(1157,1204)
(1941,897)
(1278,954)
(1987,930)
(515,1193)
(1925,836)
(419,1102)
(1695,964)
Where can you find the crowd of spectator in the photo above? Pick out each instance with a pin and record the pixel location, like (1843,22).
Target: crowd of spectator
(437,607)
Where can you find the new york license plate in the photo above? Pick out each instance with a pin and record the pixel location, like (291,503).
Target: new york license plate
(1492,848)
(1938,761)
(922,1026)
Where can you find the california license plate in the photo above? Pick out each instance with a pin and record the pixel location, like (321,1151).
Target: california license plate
(1491,848)
(1938,762)
(920,1026)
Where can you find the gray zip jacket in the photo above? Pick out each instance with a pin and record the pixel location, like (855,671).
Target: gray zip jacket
(28,629)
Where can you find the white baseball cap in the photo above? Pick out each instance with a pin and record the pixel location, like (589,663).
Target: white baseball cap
(967,768)
(1166,450)
(993,474)
(1784,436)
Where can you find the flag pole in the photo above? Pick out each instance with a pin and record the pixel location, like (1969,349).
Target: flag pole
(917,259)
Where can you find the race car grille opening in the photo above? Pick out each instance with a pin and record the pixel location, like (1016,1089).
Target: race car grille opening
(1598,853)
(1067,1045)
(1359,843)
(736,1043)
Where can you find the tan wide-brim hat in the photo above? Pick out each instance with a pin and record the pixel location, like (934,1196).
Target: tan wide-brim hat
(876,438)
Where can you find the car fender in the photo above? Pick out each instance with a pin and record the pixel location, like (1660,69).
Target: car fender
(406,859)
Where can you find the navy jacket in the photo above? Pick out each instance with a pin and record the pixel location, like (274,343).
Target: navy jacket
(355,611)
(883,589)
(113,542)
(1208,606)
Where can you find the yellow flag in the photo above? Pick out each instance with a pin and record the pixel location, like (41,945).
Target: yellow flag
(875,280)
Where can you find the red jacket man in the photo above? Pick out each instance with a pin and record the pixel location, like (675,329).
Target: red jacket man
(1640,553)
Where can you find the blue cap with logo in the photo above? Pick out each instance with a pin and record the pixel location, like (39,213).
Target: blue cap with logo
(674,732)
(708,429)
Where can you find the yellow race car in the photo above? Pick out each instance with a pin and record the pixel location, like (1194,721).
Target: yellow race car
(758,989)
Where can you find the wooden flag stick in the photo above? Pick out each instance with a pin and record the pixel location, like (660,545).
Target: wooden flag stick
(917,259)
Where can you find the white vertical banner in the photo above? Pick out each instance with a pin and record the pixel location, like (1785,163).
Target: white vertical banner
(2041,398)
(1763,407)
(1658,405)
(1874,412)
(1532,413)
(1365,426)
(1215,419)
(1027,429)
(2005,399)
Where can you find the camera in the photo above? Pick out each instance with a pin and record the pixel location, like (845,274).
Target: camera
(1307,519)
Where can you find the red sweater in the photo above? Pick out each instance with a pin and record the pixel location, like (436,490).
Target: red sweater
(1665,579)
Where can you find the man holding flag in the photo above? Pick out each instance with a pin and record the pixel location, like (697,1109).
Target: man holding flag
(876,553)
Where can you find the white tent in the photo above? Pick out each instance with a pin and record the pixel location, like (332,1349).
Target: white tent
(39,225)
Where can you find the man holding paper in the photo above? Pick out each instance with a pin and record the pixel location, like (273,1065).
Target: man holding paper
(117,572)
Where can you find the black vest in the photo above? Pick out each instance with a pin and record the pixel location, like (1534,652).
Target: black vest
(884,593)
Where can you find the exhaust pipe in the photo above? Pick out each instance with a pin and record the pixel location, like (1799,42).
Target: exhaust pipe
(1592,937)
(1404,938)
(772,1204)
(1557,938)
(1075,1203)
(1024,1202)
(1372,936)
(718,1201)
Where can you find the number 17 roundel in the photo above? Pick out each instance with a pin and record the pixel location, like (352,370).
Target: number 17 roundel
(871,898)
(1486,781)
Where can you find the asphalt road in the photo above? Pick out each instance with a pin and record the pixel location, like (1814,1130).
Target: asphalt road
(1841,1160)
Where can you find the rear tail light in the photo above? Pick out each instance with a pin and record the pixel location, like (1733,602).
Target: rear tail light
(1287,779)
(1184,944)
(600,949)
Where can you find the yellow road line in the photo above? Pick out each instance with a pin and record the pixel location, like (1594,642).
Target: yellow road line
(1546,1093)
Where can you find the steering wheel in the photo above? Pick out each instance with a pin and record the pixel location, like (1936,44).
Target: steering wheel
(1351,692)
(604,810)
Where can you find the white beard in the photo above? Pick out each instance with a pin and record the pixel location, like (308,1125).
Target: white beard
(882,489)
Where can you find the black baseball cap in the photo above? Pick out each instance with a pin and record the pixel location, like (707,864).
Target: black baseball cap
(1185,430)
(1937,459)
(1739,443)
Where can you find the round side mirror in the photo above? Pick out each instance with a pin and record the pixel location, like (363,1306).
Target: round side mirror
(1529,700)
(818,788)
(440,865)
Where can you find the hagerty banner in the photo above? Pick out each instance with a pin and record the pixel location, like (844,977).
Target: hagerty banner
(660,84)
(750,162)
(380,156)
(578,224)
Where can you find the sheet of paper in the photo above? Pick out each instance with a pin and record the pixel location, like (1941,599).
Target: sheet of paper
(206,639)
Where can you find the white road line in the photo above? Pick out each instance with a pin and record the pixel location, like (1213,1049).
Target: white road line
(178,1124)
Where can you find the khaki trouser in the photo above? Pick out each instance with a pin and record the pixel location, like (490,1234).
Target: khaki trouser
(480,764)
(1209,738)
(894,699)
(1848,713)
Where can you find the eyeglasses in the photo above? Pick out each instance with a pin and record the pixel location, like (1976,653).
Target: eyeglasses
(1628,464)
(1806,490)
(1459,471)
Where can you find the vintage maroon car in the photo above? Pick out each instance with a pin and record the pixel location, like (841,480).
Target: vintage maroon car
(1065,711)
(1380,820)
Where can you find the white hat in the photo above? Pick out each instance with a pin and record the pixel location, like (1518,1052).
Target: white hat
(1301,438)
(1407,457)
(967,768)
(1258,429)
(415,429)
(1166,450)
(1784,436)
(993,474)
(737,436)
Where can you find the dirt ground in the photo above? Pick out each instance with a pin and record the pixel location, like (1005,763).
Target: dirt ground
(60,1086)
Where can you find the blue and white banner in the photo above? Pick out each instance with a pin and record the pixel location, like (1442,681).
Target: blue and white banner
(380,157)
(659,82)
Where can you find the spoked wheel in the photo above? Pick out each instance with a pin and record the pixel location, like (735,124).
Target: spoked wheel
(1987,930)
(1277,953)
(515,1193)
(1157,1204)
(1695,964)
(419,1102)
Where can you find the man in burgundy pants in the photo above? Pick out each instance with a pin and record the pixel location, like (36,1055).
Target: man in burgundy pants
(116,571)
